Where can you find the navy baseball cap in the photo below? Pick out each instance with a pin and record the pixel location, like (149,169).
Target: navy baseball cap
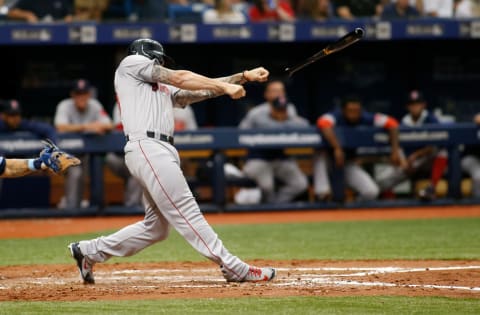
(11,107)
(81,86)
(415,96)
(280,103)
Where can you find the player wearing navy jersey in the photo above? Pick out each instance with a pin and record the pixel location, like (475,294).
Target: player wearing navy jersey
(12,121)
(351,114)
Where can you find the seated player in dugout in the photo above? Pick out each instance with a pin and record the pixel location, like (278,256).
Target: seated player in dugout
(80,113)
(264,166)
(12,120)
(470,163)
(429,158)
(350,114)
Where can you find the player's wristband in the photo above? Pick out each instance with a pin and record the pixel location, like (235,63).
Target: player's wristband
(34,164)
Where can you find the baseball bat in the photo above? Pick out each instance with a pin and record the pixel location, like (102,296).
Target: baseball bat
(342,43)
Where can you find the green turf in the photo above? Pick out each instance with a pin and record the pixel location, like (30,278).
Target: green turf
(277,306)
(402,239)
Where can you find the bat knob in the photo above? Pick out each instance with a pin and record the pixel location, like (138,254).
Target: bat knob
(359,32)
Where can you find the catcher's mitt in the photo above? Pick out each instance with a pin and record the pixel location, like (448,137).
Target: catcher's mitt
(55,159)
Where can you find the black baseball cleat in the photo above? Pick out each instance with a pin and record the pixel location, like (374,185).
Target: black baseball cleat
(84,265)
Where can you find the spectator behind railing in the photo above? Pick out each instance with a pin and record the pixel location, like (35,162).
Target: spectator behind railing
(34,11)
(351,9)
(438,8)
(466,9)
(399,9)
(151,10)
(316,10)
(223,12)
(271,11)
(89,10)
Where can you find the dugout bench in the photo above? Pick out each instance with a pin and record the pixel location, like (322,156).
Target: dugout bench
(219,143)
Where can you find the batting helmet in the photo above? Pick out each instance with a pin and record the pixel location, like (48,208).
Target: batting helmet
(149,48)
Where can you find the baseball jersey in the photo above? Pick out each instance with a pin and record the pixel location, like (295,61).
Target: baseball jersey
(425,118)
(67,113)
(259,117)
(145,105)
(335,118)
(41,129)
(3,164)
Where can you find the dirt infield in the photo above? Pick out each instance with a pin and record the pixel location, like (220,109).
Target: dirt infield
(203,279)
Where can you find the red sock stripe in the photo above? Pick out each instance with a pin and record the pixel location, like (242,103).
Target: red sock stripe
(438,168)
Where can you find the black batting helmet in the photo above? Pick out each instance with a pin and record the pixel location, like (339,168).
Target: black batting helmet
(149,48)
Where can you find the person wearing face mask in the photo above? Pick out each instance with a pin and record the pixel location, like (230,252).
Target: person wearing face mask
(266,166)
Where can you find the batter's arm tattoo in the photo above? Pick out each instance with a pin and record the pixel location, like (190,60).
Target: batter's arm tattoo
(16,168)
(162,74)
(186,97)
(237,78)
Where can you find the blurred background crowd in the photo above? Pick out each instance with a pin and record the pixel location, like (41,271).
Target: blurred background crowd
(231,11)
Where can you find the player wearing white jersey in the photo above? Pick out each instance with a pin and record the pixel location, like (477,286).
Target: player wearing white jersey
(147,92)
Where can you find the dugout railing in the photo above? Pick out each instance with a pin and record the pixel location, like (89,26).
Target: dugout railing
(218,140)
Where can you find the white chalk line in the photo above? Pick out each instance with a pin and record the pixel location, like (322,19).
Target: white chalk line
(202,278)
(374,270)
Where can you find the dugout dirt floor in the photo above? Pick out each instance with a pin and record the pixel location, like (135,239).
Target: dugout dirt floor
(455,278)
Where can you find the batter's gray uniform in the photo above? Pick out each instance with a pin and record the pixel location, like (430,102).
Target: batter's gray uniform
(116,162)
(264,166)
(147,106)
(67,113)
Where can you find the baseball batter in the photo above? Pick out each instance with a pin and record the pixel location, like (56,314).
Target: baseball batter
(147,92)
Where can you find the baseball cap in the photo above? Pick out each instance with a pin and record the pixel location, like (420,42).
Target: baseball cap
(81,86)
(280,103)
(415,96)
(11,107)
